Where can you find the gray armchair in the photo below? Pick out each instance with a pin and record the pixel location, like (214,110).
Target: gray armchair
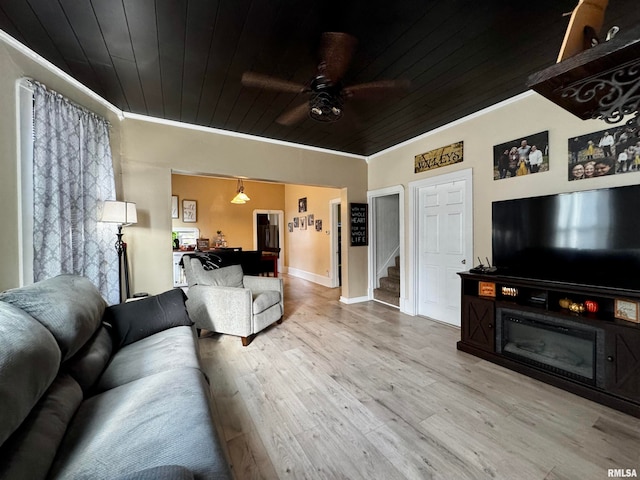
(224,300)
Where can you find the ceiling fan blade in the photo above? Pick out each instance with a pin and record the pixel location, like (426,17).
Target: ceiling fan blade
(293,116)
(375,89)
(336,51)
(251,79)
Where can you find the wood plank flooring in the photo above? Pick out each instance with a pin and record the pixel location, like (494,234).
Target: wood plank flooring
(365,392)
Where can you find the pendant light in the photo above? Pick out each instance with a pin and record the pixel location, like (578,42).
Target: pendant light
(240,197)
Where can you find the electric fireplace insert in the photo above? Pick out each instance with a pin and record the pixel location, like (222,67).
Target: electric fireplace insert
(569,349)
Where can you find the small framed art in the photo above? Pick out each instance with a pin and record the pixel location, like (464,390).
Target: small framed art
(189,211)
(174,206)
(626,310)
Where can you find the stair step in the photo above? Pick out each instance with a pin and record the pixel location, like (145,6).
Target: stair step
(390,284)
(393,272)
(386,297)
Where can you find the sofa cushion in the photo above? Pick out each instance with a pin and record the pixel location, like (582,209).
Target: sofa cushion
(163,419)
(264,300)
(87,365)
(166,350)
(133,321)
(29,361)
(30,451)
(230,276)
(163,472)
(68,305)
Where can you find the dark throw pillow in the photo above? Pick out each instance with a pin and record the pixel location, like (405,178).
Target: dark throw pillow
(133,321)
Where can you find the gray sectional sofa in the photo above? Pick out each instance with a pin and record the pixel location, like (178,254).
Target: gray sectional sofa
(95,392)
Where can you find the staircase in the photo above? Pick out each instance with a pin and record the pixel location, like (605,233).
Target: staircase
(389,291)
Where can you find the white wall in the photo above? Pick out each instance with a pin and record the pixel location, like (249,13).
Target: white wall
(521,116)
(145,153)
(152,150)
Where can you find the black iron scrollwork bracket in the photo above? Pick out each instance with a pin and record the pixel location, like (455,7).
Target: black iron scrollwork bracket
(612,94)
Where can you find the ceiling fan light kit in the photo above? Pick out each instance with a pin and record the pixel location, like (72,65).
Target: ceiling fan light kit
(326,103)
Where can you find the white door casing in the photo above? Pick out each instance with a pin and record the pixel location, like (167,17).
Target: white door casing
(371,196)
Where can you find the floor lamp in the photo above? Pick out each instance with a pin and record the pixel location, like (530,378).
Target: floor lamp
(122,213)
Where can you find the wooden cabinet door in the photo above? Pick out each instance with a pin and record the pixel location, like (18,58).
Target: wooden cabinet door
(478,323)
(623,362)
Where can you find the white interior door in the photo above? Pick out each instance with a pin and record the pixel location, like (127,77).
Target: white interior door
(443,249)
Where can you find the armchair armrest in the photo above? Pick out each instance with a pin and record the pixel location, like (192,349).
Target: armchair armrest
(221,309)
(260,284)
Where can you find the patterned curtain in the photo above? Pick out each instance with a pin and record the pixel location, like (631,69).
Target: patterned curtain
(72,176)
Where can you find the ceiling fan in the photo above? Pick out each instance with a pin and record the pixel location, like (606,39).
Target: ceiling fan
(326,92)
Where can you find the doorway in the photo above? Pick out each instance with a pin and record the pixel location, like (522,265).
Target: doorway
(442,230)
(268,229)
(386,251)
(335,219)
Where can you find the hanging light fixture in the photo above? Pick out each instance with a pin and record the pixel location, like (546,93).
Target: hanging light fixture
(240,197)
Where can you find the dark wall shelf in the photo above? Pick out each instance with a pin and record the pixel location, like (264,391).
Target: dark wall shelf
(602,82)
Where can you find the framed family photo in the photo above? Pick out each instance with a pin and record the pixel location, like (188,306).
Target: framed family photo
(613,151)
(521,156)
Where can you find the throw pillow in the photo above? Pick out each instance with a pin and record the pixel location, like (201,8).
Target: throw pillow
(230,276)
(133,321)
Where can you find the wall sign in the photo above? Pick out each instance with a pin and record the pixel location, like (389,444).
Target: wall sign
(440,157)
(359,224)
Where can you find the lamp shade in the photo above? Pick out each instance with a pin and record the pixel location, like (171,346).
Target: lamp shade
(123,213)
(240,197)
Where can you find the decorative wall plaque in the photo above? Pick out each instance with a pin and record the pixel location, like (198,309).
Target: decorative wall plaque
(440,157)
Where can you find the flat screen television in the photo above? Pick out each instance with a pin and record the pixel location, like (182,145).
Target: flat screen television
(587,238)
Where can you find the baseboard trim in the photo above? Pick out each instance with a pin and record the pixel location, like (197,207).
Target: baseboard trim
(312,277)
(349,301)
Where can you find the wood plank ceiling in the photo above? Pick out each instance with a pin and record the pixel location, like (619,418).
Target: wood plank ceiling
(183,59)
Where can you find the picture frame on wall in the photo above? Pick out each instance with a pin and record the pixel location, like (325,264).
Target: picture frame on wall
(303,223)
(522,156)
(296,221)
(189,211)
(612,151)
(318,225)
(290,226)
(310,219)
(174,206)
(302,205)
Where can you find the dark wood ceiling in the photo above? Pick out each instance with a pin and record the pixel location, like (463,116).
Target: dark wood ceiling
(183,59)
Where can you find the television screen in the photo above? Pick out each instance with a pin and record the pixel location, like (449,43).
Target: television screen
(589,238)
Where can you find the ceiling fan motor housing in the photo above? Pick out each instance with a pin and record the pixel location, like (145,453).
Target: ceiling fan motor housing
(325,101)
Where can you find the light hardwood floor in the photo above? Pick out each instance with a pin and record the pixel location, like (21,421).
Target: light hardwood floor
(365,392)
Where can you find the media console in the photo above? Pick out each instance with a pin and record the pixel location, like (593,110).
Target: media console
(520,324)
